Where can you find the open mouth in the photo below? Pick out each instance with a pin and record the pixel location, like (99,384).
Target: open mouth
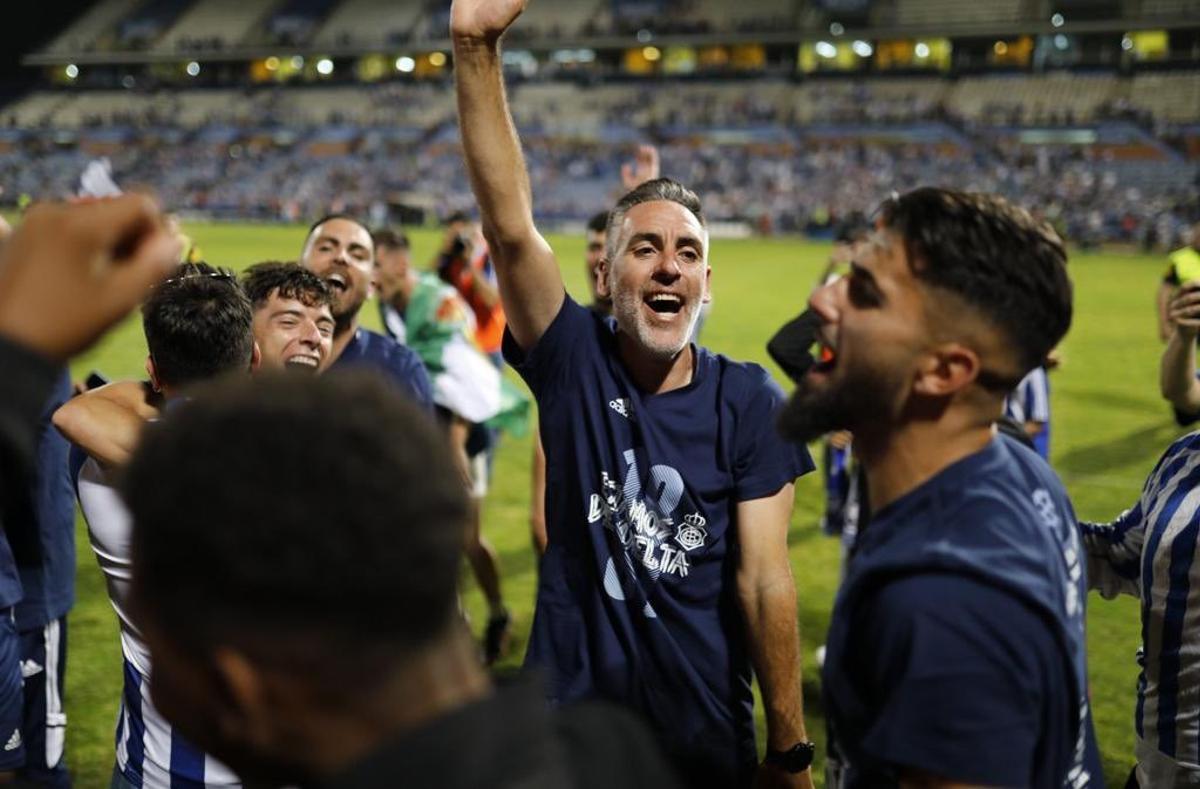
(336,282)
(304,364)
(825,357)
(664,303)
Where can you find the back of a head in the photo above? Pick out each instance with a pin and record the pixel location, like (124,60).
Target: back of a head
(198,325)
(651,191)
(598,223)
(288,280)
(995,258)
(323,526)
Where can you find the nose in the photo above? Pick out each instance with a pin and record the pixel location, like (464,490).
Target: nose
(824,300)
(310,335)
(668,268)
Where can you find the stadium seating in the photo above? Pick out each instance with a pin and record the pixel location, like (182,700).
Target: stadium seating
(949,13)
(86,32)
(1020,99)
(1171,97)
(214,25)
(368,23)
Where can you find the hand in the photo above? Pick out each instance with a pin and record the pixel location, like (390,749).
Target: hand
(483,20)
(643,168)
(770,777)
(1184,310)
(840,439)
(72,271)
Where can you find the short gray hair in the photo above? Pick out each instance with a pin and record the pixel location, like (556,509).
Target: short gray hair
(649,192)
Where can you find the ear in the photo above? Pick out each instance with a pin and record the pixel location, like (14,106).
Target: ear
(255,358)
(602,284)
(946,370)
(245,700)
(707,285)
(152,374)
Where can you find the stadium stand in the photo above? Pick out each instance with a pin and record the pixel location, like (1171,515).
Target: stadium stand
(214,25)
(370,23)
(143,27)
(1060,97)
(86,32)
(951,13)
(1171,97)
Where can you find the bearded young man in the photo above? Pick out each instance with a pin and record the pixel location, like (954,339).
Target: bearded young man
(956,651)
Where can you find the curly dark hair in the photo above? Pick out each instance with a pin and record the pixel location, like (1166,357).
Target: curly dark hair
(198,324)
(318,521)
(995,257)
(290,280)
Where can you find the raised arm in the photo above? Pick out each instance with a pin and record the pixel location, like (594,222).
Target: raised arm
(531,286)
(1177,372)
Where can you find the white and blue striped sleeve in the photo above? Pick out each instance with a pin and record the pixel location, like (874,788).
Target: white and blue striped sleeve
(1114,553)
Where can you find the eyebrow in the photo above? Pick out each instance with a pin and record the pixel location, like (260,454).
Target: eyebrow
(656,240)
(866,277)
(322,239)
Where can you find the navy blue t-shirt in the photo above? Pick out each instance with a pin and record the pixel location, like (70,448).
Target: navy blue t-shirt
(957,642)
(48,579)
(400,363)
(636,596)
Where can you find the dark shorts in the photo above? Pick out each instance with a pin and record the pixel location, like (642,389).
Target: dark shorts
(44,728)
(12,697)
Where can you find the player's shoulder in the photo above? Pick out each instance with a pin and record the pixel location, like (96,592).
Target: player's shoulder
(740,381)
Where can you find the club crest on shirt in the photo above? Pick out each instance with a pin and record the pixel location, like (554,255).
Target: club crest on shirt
(691,534)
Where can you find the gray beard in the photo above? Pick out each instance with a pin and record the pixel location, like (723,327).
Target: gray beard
(625,308)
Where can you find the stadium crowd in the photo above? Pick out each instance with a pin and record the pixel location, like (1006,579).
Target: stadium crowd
(281,508)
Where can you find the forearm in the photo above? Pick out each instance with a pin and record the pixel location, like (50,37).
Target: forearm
(105,423)
(1165,291)
(1177,372)
(769,608)
(491,149)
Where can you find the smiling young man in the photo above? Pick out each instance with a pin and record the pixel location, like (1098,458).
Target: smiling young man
(956,652)
(339,250)
(666,575)
(293,322)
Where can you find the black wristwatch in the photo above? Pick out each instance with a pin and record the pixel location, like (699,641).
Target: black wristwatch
(796,759)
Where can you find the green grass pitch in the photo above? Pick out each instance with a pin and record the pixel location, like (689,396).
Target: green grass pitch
(1109,427)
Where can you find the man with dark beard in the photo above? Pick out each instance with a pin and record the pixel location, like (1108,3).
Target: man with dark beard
(956,649)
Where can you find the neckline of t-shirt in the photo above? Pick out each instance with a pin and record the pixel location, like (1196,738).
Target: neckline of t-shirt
(959,468)
(697,372)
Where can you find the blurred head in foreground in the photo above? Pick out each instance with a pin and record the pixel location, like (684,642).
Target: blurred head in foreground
(297,587)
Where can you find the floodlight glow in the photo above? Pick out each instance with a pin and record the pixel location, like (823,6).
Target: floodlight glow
(922,49)
(437,59)
(325,67)
(297,62)
(1000,48)
(405,64)
(836,29)
(862,49)
(72,71)
(651,54)
(1061,42)
(1057,20)
(826,50)
(272,63)
(193,69)
(1126,44)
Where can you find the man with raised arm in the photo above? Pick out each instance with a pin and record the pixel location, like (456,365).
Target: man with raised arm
(669,493)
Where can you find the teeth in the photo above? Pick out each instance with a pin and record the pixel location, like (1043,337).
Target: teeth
(305,360)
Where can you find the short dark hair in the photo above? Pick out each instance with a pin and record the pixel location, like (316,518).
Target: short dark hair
(198,324)
(354,557)
(995,257)
(392,239)
(329,218)
(598,223)
(289,280)
(650,191)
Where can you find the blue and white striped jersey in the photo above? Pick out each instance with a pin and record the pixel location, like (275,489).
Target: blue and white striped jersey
(1030,402)
(1150,551)
(149,752)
